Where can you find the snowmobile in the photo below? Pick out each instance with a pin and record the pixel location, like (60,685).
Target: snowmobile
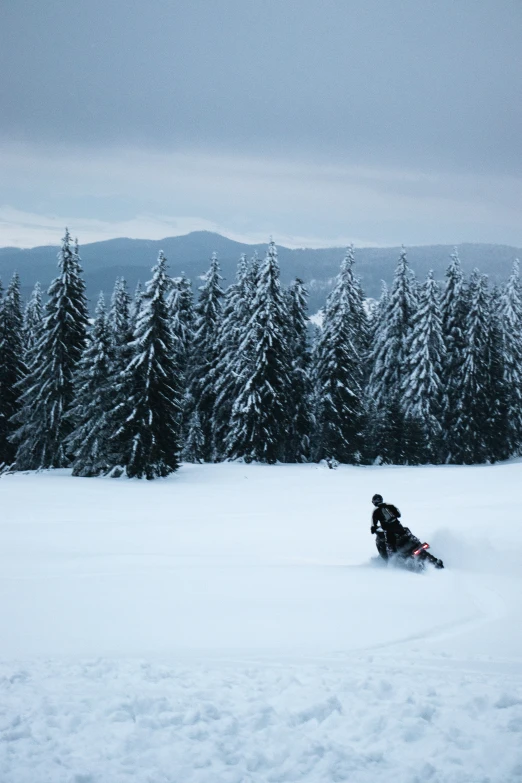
(411,552)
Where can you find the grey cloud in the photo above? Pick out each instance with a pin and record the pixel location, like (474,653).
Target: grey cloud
(254,196)
(412,83)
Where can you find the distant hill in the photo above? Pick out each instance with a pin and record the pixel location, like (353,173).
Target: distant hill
(133,258)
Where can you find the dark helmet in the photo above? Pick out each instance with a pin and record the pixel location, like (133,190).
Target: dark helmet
(377,500)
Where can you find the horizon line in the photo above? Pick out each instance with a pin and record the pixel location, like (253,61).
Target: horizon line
(256,244)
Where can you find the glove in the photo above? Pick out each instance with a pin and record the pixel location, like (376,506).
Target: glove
(373,529)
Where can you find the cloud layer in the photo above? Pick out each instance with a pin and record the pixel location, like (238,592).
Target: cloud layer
(147,194)
(382,120)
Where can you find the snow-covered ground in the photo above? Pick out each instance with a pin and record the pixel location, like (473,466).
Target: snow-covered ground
(230,625)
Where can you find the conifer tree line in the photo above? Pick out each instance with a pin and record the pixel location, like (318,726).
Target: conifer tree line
(429,373)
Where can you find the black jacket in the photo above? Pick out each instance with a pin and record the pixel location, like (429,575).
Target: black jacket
(386,517)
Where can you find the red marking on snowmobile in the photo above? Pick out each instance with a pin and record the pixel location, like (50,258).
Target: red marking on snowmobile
(419,550)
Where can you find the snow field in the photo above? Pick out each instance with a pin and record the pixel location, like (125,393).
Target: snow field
(360,720)
(230,624)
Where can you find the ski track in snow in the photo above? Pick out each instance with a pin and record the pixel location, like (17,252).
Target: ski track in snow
(229,625)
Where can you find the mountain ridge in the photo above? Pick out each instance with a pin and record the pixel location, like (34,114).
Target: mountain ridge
(103,261)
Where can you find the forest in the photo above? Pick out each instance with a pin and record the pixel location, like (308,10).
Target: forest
(425,374)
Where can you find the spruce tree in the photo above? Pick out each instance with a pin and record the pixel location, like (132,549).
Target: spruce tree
(237,308)
(473,382)
(339,372)
(390,362)
(454,313)
(202,381)
(181,312)
(363,344)
(362,310)
(260,420)
(301,417)
(422,387)
(376,424)
(33,319)
(180,303)
(146,411)
(48,390)
(511,337)
(89,440)
(136,303)
(379,314)
(12,368)
(497,423)
(121,321)
(253,274)
(119,318)
(120,326)
(193,445)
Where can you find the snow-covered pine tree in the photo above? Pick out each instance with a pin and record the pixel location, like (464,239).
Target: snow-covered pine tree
(47,389)
(201,395)
(253,274)
(121,321)
(302,420)
(473,383)
(33,319)
(363,343)
(338,372)
(181,312)
(362,311)
(77,281)
(89,440)
(259,421)
(12,368)
(146,441)
(230,363)
(136,304)
(454,313)
(422,388)
(379,314)
(180,302)
(497,423)
(193,445)
(390,361)
(120,329)
(376,424)
(511,335)
(119,318)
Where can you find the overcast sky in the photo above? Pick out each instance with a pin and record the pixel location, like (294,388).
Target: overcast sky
(320,122)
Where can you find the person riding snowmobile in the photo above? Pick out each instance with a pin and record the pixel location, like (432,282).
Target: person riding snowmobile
(392,538)
(385,524)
